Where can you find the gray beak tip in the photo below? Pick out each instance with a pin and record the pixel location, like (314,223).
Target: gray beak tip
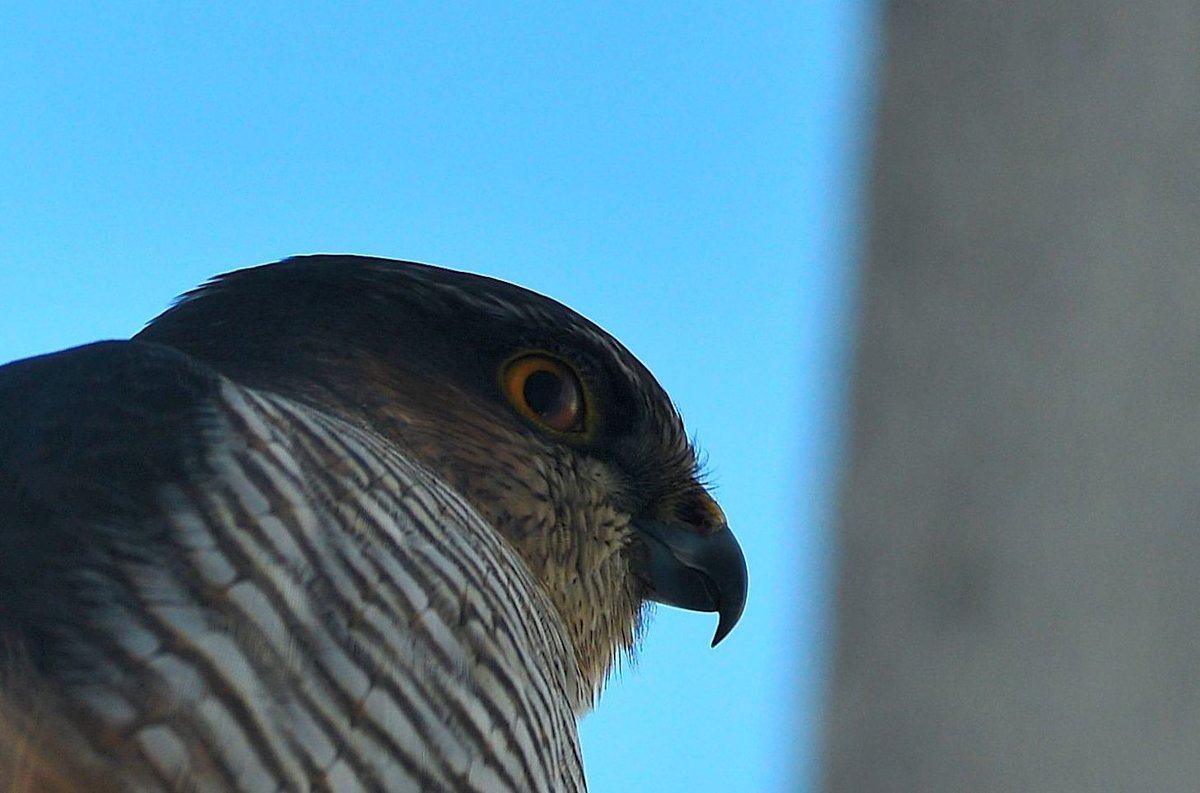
(697,571)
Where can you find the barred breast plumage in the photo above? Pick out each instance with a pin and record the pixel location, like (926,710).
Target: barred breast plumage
(304,534)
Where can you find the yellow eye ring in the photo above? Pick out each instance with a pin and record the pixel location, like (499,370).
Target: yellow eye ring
(547,391)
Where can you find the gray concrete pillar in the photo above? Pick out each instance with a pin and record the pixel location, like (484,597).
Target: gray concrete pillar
(1019,593)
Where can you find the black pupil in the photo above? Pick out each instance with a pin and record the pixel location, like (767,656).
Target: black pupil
(544,393)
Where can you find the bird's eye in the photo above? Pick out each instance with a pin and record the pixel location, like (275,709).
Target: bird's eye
(547,391)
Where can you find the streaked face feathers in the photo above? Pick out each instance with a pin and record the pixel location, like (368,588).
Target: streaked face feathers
(420,354)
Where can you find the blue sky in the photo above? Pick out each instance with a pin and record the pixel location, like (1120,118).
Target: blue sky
(688,177)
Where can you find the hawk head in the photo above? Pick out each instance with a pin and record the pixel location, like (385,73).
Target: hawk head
(548,426)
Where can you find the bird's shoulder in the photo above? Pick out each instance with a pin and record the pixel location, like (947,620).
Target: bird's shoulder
(162,517)
(113,416)
(88,436)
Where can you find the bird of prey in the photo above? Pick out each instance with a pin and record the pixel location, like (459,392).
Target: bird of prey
(339,524)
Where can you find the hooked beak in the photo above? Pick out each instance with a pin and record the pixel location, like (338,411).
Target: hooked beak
(699,572)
